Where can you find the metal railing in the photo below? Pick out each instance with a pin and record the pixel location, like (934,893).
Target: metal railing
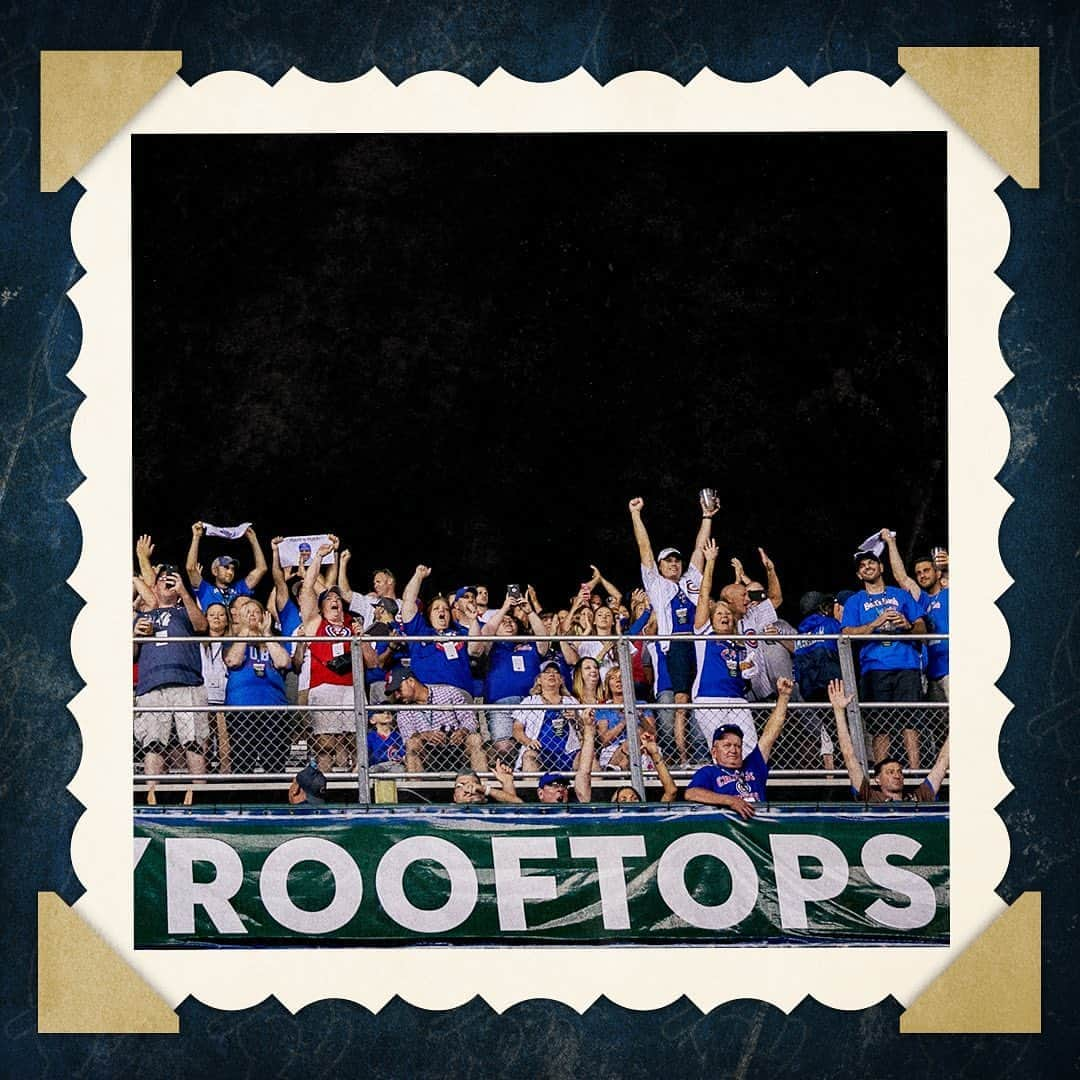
(242,746)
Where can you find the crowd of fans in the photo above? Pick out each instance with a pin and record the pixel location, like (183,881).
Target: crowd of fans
(472,699)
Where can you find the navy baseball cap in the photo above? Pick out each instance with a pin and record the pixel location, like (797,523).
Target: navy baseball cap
(860,555)
(396,678)
(387,605)
(727,729)
(844,595)
(312,783)
(552,778)
(224,560)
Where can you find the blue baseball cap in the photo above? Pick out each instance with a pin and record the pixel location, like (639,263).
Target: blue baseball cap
(552,778)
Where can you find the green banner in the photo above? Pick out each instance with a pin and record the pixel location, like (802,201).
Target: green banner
(556,875)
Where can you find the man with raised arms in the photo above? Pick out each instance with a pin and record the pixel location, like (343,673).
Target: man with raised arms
(888,772)
(890,666)
(224,586)
(673,595)
(734,781)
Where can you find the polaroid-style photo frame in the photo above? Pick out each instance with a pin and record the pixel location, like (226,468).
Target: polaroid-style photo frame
(977,237)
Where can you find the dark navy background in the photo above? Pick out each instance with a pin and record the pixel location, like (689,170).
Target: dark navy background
(39,331)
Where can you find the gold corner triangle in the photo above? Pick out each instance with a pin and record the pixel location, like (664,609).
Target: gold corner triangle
(85,988)
(993,93)
(86,97)
(972,996)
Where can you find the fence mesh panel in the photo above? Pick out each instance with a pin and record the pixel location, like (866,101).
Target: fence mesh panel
(253,743)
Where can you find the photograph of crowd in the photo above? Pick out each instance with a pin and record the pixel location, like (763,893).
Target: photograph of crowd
(507,369)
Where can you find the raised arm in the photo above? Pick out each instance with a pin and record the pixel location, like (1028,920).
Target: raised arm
(258,571)
(775,724)
(701,616)
(536,625)
(772,582)
(144,548)
(896,565)
(583,776)
(840,699)
(491,627)
(506,793)
(650,746)
(343,575)
(697,558)
(599,579)
(331,575)
(192,564)
(937,774)
(641,535)
(280,596)
(194,612)
(309,600)
(412,592)
(144,592)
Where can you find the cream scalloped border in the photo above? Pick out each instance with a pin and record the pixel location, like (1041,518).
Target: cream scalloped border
(439,978)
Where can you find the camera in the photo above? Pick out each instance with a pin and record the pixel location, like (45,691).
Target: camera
(513,591)
(339,664)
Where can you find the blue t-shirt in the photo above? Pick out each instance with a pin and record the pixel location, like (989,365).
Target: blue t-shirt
(863,608)
(165,663)
(719,674)
(208,593)
(936,611)
(553,752)
(289,620)
(434,662)
(747,782)
(512,669)
(813,625)
(389,749)
(256,681)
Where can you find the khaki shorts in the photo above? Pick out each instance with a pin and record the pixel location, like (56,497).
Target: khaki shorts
(332,721)
(156,727)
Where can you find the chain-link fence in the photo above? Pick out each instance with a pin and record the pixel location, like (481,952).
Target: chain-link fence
(428,742)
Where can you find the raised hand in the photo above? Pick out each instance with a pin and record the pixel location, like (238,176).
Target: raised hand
(838,695)
(198,528)
(784,686)
(765,560)
(710,550)
(325,548)
(423,571)
(636,505)
(144,546)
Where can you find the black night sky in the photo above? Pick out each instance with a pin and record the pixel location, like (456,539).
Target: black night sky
(471,350)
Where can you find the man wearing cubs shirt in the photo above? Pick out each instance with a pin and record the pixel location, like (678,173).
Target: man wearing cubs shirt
(889,772)
(890,668)
(736,781)
(334,726)
(673,595)
(932,594)
(223,571)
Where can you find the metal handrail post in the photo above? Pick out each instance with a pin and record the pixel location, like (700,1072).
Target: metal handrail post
(633,741)
(854,716)
(363,783)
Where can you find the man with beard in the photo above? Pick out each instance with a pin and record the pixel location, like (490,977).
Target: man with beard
(889,668)
(224,586)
